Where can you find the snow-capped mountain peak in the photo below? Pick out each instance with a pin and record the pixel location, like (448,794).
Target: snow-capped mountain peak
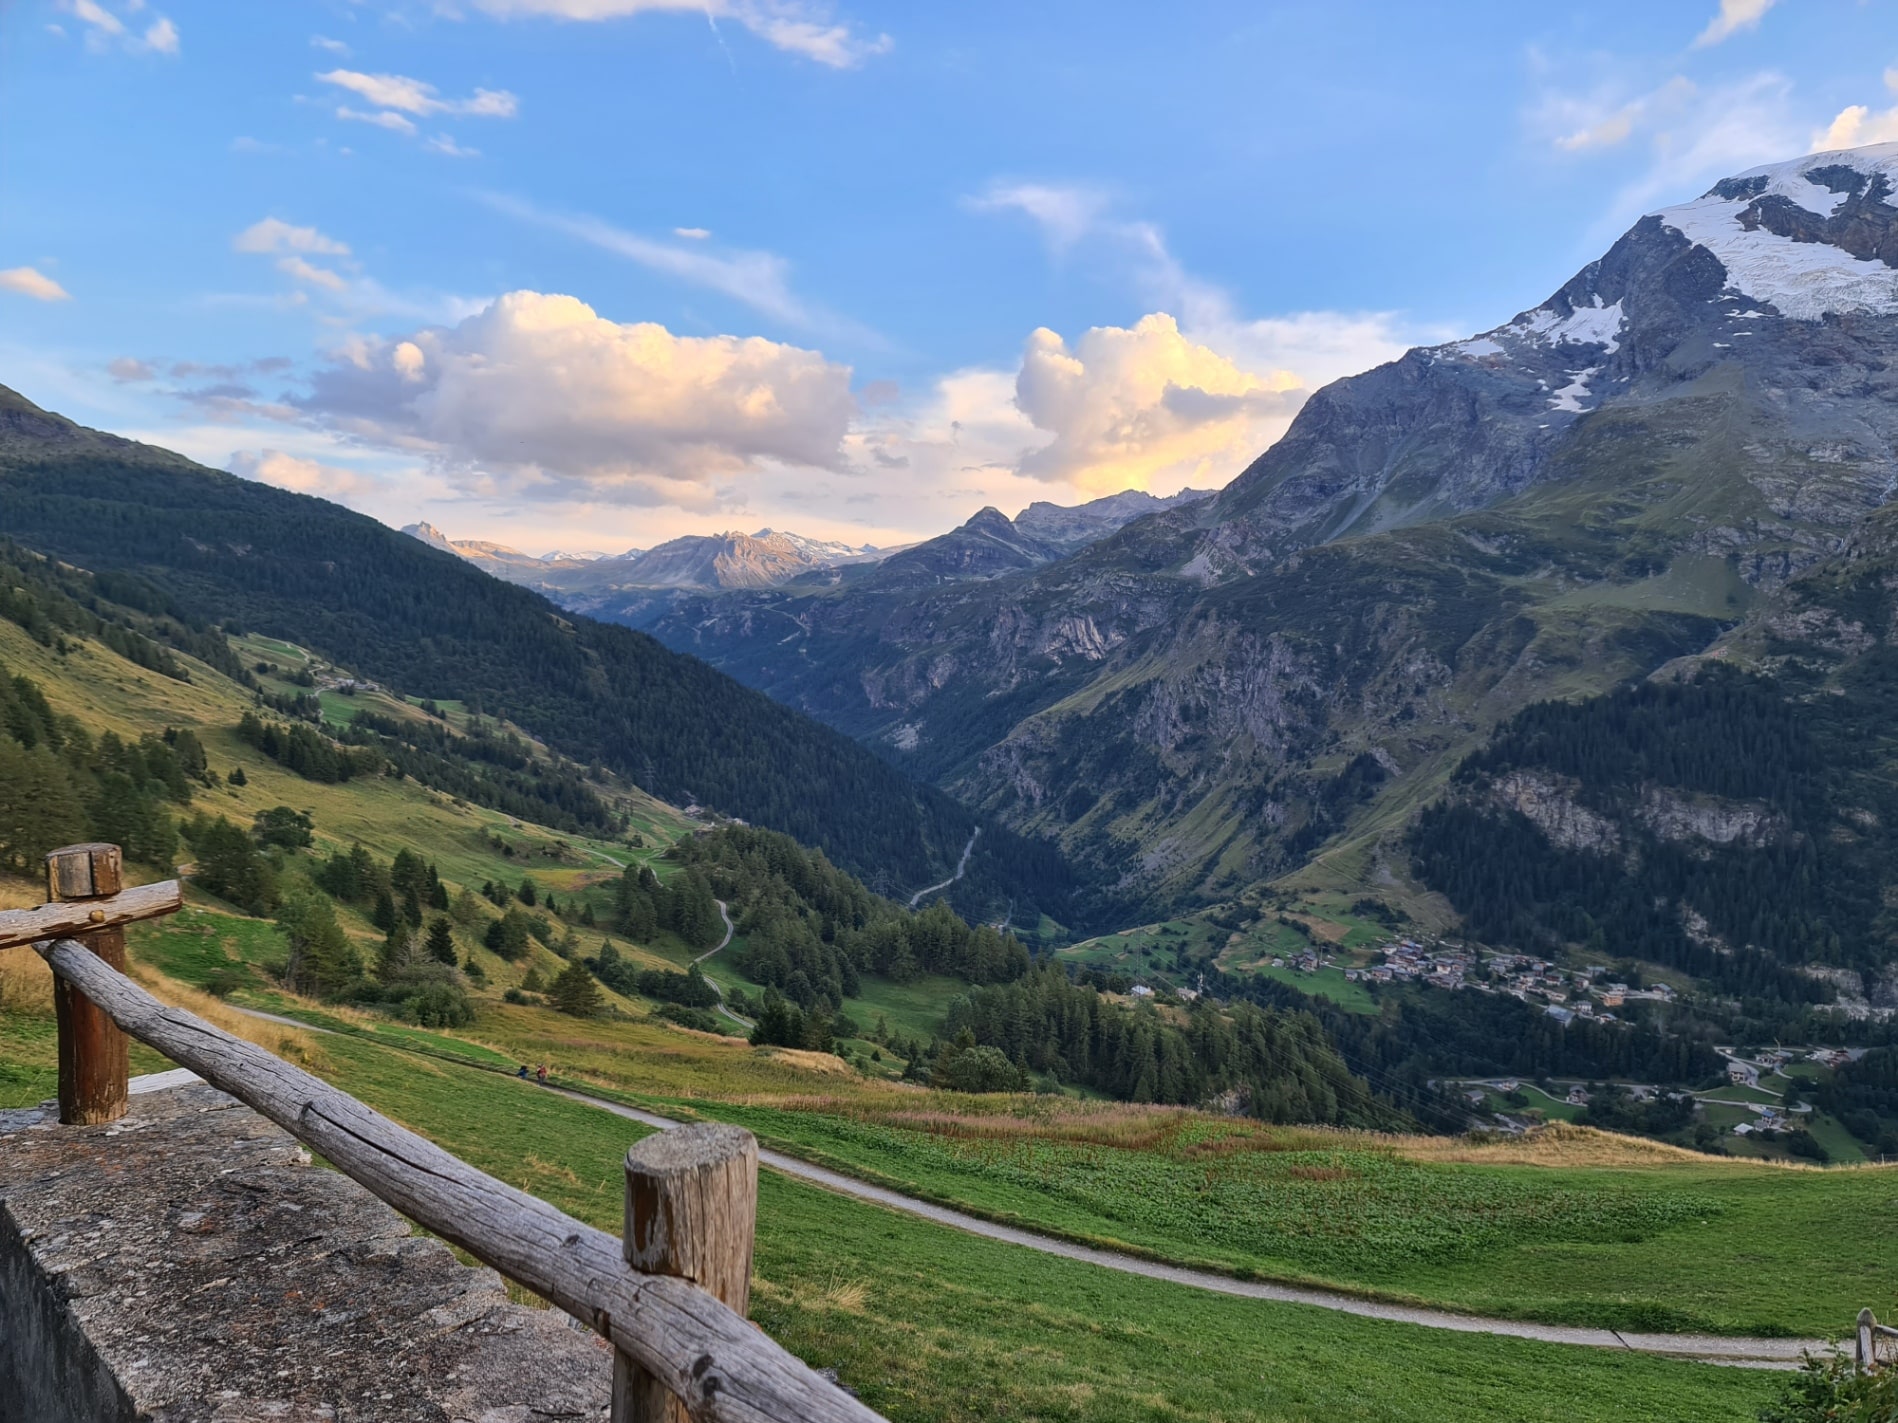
(1814,237)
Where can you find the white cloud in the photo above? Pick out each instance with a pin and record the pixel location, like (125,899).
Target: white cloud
(412,96)
(125,369)
(1733,17)
(1131,407)
(761,280)
(1860,124)
(692,234)
(29,282)
(1856,126)
(105,29)
(275,235)
(802,27)
(312,275)
(325,43)
(445,145)
(1686,135)
(1166,402)
(540,396)
(1065,213)
(1580,124)
(382,118)
(305,476)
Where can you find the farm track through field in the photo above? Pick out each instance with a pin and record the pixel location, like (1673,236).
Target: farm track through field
(1735,1351)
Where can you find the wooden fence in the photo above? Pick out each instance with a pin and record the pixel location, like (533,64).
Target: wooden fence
(1870,1331)
(670,1295)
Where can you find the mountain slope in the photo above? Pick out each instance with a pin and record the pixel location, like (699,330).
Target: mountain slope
(1571,499)
(413,617)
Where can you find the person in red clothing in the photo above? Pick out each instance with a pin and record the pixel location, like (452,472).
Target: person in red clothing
(540,1074)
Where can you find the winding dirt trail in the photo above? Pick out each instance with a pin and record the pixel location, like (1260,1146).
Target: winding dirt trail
(725,914)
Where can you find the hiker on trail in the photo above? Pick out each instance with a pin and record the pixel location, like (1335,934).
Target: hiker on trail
(522,1074)
(540,1074)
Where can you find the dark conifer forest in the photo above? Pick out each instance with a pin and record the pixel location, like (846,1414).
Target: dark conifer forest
(208,547)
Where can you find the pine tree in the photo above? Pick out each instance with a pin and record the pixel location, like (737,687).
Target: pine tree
(441,941)
(575,992)
(322,960)
(40,808)
(398,951)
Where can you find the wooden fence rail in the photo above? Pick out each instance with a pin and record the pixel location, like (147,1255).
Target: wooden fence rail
(1870,1331)
(690,1215)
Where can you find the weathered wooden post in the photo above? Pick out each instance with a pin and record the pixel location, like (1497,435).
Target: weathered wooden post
(1867,1341)
(92,1051)
(691,1212)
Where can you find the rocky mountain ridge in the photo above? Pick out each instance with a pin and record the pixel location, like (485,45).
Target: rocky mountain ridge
(1268,681)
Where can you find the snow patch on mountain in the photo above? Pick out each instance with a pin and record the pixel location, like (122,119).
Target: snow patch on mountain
(1571,396)
(1805,277)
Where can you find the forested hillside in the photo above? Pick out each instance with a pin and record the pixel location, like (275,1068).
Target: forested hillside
(243,554)
(1738,828)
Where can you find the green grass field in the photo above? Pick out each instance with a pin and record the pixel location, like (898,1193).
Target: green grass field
(929,1324)
(1682,1244)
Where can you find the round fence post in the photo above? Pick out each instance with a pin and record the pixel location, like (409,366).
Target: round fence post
(93,1066)
(1867,1342)
(691,1212)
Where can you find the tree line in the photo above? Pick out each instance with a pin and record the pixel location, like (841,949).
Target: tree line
(1273,1064)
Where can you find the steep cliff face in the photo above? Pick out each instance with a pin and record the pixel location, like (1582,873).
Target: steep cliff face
(1604,483)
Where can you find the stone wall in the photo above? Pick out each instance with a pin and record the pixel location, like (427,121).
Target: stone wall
(188,1264)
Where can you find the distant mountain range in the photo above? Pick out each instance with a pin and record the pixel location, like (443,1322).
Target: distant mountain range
(1267,683)
(636,586)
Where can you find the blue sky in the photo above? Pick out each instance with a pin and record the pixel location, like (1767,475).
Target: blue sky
(595,273)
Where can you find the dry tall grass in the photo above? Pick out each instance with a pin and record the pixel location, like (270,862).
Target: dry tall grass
(26,983)
(292,1044)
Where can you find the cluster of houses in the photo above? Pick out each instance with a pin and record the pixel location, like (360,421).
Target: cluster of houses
(1567,994)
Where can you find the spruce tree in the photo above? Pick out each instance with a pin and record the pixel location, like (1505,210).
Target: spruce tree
(575,992)
(441,941)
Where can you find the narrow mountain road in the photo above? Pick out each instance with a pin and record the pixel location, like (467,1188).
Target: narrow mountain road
(725,914)
(1702,1348)
(961,866)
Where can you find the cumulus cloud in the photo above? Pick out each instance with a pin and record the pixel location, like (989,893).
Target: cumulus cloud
(305,476)
(541,395)
(1130,407)
(801,27)
(412,96)
(27,281)
(1733,17)
(1190,393)
(1860,124)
